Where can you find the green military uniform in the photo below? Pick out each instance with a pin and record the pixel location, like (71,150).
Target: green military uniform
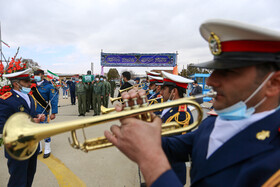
(113,87)
(97,92)
(88,97)
(80,91)
(107,90)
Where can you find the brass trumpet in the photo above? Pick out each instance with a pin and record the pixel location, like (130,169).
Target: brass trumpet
(131,87)
(115,99)
(21,135)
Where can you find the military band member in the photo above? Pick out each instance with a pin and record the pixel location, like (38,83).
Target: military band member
(157,82)
(80,92)
(241,146)
(18,100)
(46,97)
(174,87)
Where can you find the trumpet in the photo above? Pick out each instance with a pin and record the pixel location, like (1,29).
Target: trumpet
(131,87)
(21,135)
(105,110)
(115,99)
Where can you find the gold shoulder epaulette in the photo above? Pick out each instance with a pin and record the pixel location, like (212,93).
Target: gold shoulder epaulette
(273,181)
(6,95)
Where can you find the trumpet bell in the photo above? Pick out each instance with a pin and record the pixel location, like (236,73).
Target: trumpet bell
(19,146)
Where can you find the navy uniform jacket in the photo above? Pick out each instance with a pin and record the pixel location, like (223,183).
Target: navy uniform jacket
(243,160)
(13,104)
(71,85)
(154,95)
(181,115)
(48,92)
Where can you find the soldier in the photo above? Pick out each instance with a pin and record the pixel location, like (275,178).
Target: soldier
(88,79)
(97,95)
(72,85)
(80,91)
(18,100)
(113,87)
(107,90)
(47,98)
(88,97)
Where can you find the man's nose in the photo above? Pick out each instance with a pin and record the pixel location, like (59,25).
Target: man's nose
(213,80)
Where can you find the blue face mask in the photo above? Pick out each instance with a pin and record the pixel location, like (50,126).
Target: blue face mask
(25,90)
(151,91)
(239,110)
(101,79)
(37,78)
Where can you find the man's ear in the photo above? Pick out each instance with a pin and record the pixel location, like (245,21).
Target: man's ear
(176,92)
(273,85)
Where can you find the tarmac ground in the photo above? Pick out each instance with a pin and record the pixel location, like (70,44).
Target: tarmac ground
(70,167)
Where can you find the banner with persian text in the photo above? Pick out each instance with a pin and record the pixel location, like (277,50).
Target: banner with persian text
(138,59)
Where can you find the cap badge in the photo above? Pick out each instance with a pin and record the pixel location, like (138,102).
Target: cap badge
(215,44)
(263,135)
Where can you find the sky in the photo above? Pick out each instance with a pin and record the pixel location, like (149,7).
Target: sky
(65,36)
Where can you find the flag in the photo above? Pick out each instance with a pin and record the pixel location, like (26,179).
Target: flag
(175,70)
(52,75)
(5,44)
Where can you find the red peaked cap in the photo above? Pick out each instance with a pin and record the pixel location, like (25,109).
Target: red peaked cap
(171,79)
(183,85)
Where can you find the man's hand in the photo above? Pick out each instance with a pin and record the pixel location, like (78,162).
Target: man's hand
(39,118)
(52,116)
(140,141)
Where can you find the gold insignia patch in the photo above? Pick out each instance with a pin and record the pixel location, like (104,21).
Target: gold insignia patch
(6,95)
(52,90)
(215,44)
(21,108)
(263,135)
(274,180)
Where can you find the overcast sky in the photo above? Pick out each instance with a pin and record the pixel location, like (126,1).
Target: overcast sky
(65,36)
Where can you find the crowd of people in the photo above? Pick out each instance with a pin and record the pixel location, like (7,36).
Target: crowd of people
(237,145)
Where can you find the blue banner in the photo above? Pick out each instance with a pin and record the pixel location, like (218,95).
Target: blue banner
(138,60)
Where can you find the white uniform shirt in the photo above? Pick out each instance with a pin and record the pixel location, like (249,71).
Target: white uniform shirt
(225,129)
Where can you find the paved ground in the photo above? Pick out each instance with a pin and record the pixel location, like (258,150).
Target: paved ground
(71,167)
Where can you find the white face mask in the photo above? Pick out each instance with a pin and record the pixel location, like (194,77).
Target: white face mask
(239,110)
(80,80)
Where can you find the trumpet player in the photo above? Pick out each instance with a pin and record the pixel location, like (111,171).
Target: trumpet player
(157,82)
(19,100)
(239,147)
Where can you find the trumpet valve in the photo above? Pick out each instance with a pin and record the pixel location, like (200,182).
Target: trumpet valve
(126,104)
(135,103)
(145,103)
